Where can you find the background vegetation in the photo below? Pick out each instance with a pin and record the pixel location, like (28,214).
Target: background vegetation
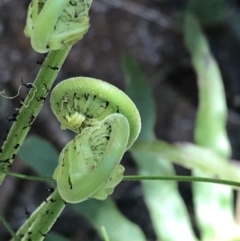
(153,33)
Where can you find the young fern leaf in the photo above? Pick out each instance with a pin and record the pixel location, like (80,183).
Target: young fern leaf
(55,24)
(107,123)
(84,102)
(89,164)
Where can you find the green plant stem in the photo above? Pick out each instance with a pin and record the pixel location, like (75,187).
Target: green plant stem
(191,156)
(41,221)
(182,179)
(104,234)
(28,177)
(142,178)
(9,228)
(31,107)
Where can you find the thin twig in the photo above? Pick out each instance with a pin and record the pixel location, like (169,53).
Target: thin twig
(9,228)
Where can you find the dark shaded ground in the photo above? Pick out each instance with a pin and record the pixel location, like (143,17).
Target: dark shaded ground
(152,32)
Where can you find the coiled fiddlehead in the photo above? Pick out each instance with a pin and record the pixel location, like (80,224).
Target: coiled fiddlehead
(56,24)
(107,123)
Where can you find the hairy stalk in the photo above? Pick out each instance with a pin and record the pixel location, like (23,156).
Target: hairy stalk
(41,221)
(30,108)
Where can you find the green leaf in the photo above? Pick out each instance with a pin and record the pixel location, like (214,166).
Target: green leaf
(192,157)
(105,213)
(140,92)
(166,207)
(52,236)
(210,200)
(40,155)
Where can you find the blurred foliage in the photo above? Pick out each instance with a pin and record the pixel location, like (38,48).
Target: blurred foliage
(55,237)
(40,155)
(164,203)
(208,12)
